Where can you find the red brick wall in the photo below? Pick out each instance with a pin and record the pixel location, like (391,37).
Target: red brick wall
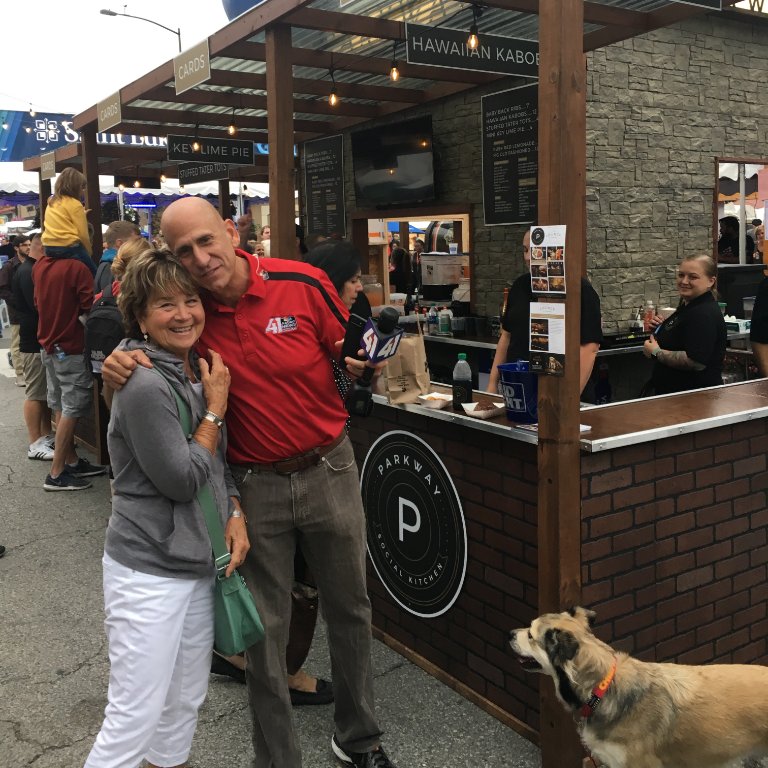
(496,480)
(674,553)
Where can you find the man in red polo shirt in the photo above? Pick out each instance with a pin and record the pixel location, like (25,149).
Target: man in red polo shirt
(276,324)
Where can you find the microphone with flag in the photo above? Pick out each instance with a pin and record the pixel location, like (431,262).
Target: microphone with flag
(380,340)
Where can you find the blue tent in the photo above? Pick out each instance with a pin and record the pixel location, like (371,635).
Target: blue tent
(394,226)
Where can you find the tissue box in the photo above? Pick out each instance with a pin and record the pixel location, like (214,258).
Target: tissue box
(739,326)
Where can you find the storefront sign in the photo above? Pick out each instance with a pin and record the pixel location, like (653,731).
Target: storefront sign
(23,135)
(417,540)
(192,67)
(324,186)
(191,173)
(231,151)
(441,47)
(510,155)
(48,165)
(109,112)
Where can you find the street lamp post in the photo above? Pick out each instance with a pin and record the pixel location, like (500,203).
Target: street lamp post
(177,32)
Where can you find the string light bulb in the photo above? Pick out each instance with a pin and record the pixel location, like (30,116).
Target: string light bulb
(394,72)
(473,41)
(232,129)
(333,99)
(32,112)
(163,179)
(196,143)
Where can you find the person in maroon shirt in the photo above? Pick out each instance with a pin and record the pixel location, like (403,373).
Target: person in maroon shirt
(64,291)
(277,324)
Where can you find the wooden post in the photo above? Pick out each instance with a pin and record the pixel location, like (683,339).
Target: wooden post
(43,195)
(561,200)
(92,192)
(224,202)
(280,134)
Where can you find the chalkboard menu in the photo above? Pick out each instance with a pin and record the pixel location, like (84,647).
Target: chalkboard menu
(510,155)
(324,186)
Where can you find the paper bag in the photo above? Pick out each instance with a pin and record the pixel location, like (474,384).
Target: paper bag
(407,374)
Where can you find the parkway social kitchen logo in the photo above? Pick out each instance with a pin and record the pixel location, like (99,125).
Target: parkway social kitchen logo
(417,540)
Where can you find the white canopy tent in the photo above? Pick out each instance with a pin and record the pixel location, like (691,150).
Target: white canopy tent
(13,178)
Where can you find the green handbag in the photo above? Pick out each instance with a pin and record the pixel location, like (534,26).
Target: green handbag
(237,624)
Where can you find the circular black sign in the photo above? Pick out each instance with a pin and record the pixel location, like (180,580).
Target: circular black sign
(537,237)
(417,540)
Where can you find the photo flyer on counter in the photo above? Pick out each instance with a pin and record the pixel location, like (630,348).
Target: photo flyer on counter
(546,339)
(548,259)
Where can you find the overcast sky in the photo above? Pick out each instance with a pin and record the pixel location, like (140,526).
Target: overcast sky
(64,56)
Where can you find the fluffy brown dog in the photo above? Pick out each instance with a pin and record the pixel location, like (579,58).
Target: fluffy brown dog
(635,714)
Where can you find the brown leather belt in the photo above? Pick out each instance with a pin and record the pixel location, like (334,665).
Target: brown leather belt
(297,463)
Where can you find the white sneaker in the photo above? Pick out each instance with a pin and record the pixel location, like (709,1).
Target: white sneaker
(50,440)
(40,450)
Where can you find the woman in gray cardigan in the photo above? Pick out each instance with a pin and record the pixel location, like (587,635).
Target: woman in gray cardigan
(158,566)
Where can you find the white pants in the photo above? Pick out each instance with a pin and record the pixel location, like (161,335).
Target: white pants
(160,634)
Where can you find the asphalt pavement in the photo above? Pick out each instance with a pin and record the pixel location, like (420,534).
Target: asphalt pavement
(53,651)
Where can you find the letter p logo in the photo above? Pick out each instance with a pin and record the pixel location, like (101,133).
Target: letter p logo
(402,525)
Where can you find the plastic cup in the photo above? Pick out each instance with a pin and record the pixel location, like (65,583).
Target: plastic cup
(453,248)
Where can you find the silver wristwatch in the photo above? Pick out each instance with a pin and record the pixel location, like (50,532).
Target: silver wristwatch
(213,418)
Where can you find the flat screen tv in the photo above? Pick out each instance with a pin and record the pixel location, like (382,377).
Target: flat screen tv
(393,164)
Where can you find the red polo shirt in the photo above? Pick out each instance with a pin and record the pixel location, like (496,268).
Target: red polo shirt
(278,343)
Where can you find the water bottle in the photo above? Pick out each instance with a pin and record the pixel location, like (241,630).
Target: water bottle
(432,321)
(58,352)
(444,322)
(648,314)
(462,382)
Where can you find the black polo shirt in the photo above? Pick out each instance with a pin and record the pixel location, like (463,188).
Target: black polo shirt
(758,330)
(517,316)
(698,329)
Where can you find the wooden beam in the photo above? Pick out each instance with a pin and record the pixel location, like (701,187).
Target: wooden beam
(664,17)
(347,24)
(44,192)
(224,198)
(561,200)
(281,160)
(176,119)
(257,101)
(92,193)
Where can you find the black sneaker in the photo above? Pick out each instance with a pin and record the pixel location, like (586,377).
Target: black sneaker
(66,481)
(84,468)
(376,759)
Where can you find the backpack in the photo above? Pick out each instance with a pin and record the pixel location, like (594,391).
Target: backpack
(103,329)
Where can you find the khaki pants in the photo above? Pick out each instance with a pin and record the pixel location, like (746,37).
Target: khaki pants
(15,357)
(320,510)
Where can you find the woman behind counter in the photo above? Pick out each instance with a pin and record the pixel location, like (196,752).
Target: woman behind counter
(688,347)
(158,565)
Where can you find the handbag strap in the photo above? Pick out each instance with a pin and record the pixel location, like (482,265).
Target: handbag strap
(204,495)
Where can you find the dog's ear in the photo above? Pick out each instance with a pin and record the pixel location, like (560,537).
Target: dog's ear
(583,614)
(560,645)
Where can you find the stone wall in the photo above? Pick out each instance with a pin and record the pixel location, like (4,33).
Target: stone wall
(661,107)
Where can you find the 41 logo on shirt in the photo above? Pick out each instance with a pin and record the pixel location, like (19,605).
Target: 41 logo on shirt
(281,324)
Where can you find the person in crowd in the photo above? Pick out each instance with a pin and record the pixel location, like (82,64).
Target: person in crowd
(264,233)
(247,231)
(760,255)
(728,244)
(37,414)
(758,331)
(63,292)
(158,566)
(125,254)
(688,347)
(313,239)
(21,245)
(65,232)
(418,249)
(400,273)
(277,325)
(515,323)
(118,232)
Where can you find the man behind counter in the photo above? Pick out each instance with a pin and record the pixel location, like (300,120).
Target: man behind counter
(513,342)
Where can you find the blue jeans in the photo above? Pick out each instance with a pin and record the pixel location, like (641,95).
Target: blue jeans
(76,251)
(320,510)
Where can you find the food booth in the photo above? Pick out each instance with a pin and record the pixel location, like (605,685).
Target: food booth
(655,513)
